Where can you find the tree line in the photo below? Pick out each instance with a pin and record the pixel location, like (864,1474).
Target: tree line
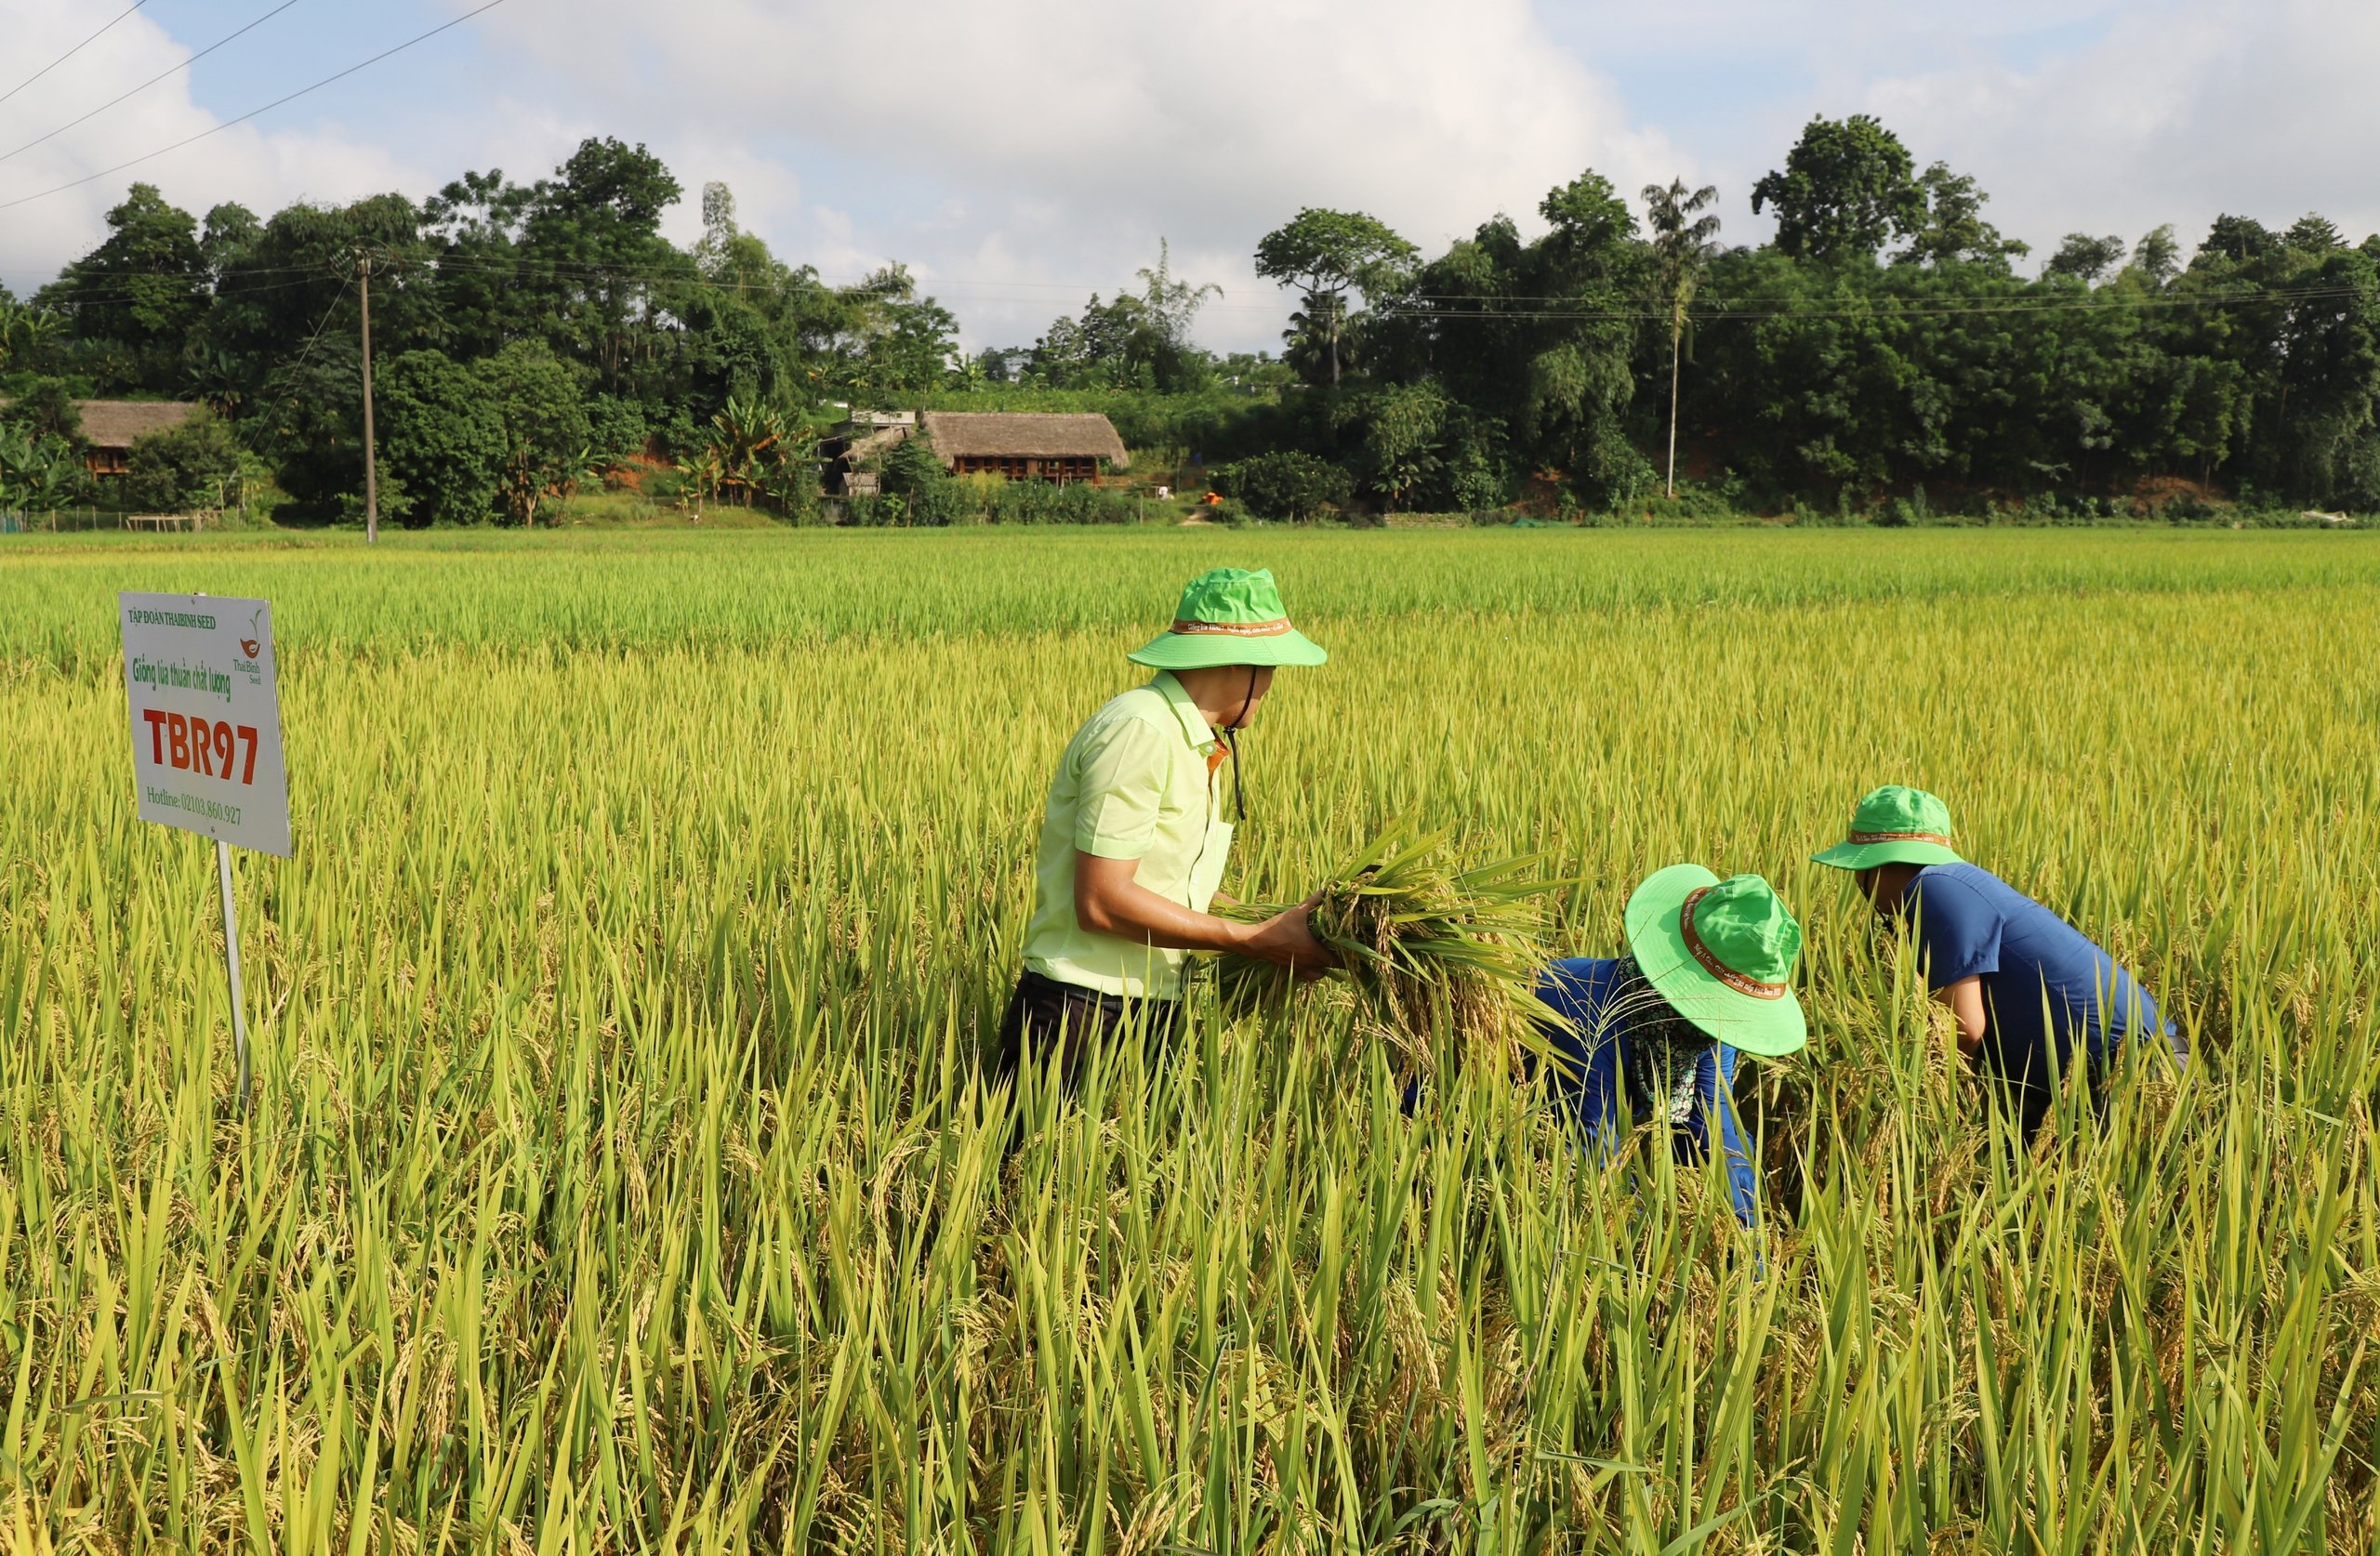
(1884,349)
(524,337)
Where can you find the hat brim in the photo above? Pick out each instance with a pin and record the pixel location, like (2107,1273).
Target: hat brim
(1200,651)
(1765,1027)
(1864,856)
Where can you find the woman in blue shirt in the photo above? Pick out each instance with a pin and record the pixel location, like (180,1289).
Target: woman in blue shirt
(1654,1034)
(2026,988)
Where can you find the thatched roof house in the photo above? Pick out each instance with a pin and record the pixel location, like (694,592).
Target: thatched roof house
(114,424)
(109,426)
(1025,445)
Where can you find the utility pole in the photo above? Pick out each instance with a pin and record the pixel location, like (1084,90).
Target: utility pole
(371,460)
(1677,337)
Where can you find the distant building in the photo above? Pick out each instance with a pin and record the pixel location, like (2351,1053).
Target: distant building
(1025,445)
(1021,445)
(110,428)
(858,439)
(861,424)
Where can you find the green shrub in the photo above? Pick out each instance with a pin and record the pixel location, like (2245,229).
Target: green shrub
(616,429)
(946,500)
(909,467)
(394,502)
(1285,485)
(1473,480)
(1695,503)
(195,465)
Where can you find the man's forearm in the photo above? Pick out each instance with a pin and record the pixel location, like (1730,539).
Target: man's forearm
(1964,999)
(1108,901)
(1130,911)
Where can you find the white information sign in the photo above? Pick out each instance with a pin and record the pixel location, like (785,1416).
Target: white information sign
(198,674)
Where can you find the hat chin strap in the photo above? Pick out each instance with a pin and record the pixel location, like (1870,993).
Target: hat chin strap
(1230,734)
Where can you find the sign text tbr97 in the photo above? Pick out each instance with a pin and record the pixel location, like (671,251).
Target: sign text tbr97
(204,705)
(202,745)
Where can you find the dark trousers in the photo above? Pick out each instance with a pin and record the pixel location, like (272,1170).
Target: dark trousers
(1046,1017)
(2033,1092)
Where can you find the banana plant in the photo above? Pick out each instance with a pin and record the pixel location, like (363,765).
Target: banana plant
(755,454)
(37,474)
(26,333)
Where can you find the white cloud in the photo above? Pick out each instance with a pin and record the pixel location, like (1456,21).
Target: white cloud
(2260,108)
(1042,149)
(1019,156)
(260,167)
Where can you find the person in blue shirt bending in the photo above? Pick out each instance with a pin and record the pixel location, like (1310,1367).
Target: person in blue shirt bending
(2027,989)
(1653,1035)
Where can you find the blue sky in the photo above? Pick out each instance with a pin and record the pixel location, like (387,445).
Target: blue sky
(1018,154)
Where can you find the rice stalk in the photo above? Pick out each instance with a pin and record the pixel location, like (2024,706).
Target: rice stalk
(1444,959)
(619,1179)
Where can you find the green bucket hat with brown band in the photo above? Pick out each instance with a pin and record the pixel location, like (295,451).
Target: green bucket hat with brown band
(1722,953)
(1229,616)
(1895,824)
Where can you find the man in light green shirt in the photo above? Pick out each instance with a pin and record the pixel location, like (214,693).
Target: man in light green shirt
(1137,831)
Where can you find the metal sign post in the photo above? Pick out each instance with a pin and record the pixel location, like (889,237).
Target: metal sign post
(204,701)
(231,970)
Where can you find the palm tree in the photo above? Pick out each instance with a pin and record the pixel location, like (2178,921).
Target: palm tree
(1173,302)
(1680,247)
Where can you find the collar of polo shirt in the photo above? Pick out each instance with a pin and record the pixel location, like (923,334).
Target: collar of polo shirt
(1195,728)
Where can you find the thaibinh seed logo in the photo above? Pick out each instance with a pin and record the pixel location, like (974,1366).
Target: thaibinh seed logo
(251,647)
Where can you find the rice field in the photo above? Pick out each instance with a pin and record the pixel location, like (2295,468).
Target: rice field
(619,1178)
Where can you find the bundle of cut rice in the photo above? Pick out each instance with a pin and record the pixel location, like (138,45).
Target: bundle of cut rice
(1440,957)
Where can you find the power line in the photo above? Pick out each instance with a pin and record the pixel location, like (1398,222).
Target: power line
(1485,308)
(933,287)
(316,337)
(231,289)
(2095,304)
(792,284)
(1489,308)
(219,293)
(248,439)
(151,81)
(70,53)
(239,273)
(229,123)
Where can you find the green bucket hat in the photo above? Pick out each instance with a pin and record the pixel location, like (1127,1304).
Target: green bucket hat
(1229,616)
(1722,953)
(1895,824)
